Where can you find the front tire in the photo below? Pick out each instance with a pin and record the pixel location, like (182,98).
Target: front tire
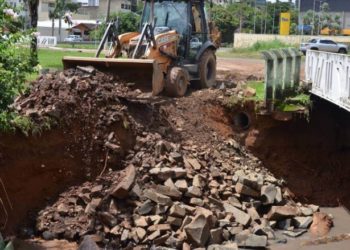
(342,51)
(207,69)
(176,82)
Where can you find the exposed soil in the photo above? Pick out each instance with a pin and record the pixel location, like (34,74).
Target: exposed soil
(312,154)
(96,122)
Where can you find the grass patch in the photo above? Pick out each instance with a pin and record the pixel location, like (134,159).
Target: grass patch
(77,45)
(52,59)
(259,87)
(255,50)
(296,103)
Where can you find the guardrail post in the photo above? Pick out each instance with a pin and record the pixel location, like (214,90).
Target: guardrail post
(278,74)
(282,74)
(269,79)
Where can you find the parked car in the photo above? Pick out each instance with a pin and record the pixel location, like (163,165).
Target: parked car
(324,45)
(73,38)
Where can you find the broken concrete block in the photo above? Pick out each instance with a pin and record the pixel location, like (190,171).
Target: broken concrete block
(179,172)
(246,190)
(159,227)
(174,221)
(253,213)
(157,197)
(177,211)
(140,221)
(88,244)
(282,212)
(240,216)
(194,163)
(121,191)
(295,233)
(181,185)
(227,246)
(193,191)
(169,191)
(268,194)
(302,222)
(198,231)
(250,240)
(216,236)
(196,202)
(146,207)
(141,233)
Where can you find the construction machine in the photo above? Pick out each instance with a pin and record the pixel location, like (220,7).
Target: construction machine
(174,47)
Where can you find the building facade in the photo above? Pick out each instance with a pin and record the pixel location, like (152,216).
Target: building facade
(89,10)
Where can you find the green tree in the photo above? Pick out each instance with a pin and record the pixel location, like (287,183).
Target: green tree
(60,9)
(128,21)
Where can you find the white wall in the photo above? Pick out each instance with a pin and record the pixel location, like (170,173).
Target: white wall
(242,40)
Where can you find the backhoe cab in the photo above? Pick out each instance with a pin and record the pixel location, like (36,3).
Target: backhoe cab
(173,47)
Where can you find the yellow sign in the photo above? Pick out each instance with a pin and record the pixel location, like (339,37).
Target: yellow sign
(285,24)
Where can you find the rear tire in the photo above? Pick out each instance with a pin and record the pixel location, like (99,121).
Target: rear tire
(342,51)
(176,82)
(207,69)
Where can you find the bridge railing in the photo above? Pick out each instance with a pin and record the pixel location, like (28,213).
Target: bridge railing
(329,74)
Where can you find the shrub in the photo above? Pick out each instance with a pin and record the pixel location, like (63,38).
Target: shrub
(16,60)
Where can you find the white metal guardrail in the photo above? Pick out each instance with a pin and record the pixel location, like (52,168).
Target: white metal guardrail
(329,74)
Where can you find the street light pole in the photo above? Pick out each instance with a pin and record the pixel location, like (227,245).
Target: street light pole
(313,18)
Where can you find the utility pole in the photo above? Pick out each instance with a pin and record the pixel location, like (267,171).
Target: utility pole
(313,19)
(254,15)
(108,10)
(273,18)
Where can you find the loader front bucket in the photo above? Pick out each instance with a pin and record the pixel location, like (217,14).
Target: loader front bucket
(145,73)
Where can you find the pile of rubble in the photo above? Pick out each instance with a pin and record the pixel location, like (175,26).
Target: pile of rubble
(179,196)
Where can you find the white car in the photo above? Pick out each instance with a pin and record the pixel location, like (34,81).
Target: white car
(324,45)
(73,38)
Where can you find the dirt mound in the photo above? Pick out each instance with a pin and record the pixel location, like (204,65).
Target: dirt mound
(170,190)
(90,130)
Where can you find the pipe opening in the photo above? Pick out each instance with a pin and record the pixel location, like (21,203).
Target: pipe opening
(241,121)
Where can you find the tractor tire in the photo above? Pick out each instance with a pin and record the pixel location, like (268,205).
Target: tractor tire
(207,69)
(176,82)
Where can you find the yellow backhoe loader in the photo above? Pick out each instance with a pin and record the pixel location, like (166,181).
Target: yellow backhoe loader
(175,46)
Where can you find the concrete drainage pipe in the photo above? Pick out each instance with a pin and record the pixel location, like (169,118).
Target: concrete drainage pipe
(241,120)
